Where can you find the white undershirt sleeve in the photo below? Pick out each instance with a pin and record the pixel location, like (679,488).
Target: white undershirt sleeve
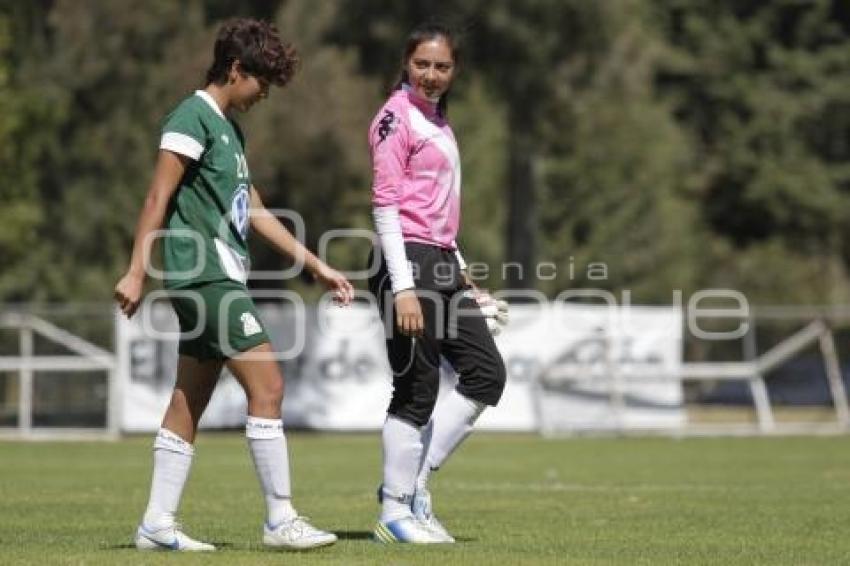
(388,226)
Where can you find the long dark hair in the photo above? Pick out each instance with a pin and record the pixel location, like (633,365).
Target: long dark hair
(420,34)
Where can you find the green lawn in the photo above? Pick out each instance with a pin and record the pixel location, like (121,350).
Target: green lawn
(508,499)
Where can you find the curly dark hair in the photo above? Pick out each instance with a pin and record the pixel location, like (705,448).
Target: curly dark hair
(258,48)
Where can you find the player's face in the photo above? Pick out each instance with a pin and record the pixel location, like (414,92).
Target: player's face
(248,90)
(430,69)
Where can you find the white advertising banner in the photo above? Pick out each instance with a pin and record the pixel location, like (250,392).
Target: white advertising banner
(343,380)
(594,367)
(146,352)
(570,367)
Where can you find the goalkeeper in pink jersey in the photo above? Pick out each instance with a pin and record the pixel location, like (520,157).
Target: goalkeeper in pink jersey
(424,295)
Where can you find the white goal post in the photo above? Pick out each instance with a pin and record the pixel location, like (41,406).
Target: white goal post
(591,374)
(84,357)
(754,370)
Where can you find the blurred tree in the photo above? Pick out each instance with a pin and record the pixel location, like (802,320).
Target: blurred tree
(515,46)
(307,143)
(663,139)
(218,10)
(680,143)
(523,49)
(478,120)
(107,71)
(616,211)
(764,90)
(21,116)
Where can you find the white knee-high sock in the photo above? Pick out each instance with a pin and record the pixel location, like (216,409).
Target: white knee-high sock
(172,459)
(453,420)
(424,467)
(267,444)
(402,455)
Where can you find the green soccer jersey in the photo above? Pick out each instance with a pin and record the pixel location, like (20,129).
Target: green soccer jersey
(207,219)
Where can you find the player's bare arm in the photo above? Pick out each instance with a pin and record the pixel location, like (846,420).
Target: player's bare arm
(166,178)
(272,231)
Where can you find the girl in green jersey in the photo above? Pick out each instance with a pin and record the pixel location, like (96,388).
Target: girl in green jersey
(202,194)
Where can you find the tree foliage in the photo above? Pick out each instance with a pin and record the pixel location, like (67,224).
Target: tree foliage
(680,144)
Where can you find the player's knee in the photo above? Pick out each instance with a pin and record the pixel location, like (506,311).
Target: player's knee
(274,391)
(413,417)
(179,403)
(499,379)
(417,413)
(495,377)
(269,392)
(487,383)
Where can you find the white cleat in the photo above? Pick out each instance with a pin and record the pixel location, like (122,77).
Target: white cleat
(169,538)
(424,513)
(405,530)
(296,534)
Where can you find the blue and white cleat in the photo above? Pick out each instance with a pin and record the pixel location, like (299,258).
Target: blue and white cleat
(169,538)
(296,534)
(404,530)
(424,513)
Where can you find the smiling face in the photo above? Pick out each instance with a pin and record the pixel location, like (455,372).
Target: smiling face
(430,68)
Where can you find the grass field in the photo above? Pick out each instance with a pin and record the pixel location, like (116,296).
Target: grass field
(508,499)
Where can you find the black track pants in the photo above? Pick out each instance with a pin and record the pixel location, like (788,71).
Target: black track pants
(454,328)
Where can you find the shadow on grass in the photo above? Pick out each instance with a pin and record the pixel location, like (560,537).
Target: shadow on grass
(367,535)
(343,535)
(131,546)
(354,535)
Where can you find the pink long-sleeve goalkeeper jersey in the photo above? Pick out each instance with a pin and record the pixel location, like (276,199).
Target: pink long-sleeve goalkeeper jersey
(416,169)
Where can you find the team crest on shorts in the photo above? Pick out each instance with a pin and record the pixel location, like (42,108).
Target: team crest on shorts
(250,326)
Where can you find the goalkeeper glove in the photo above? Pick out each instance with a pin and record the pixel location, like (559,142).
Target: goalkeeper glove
(495,311)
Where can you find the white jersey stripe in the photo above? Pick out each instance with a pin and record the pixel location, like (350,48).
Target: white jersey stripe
(182,144)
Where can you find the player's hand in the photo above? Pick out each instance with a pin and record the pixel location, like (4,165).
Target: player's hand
(335,281)
(128,293)
(408,313)
(495,311)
